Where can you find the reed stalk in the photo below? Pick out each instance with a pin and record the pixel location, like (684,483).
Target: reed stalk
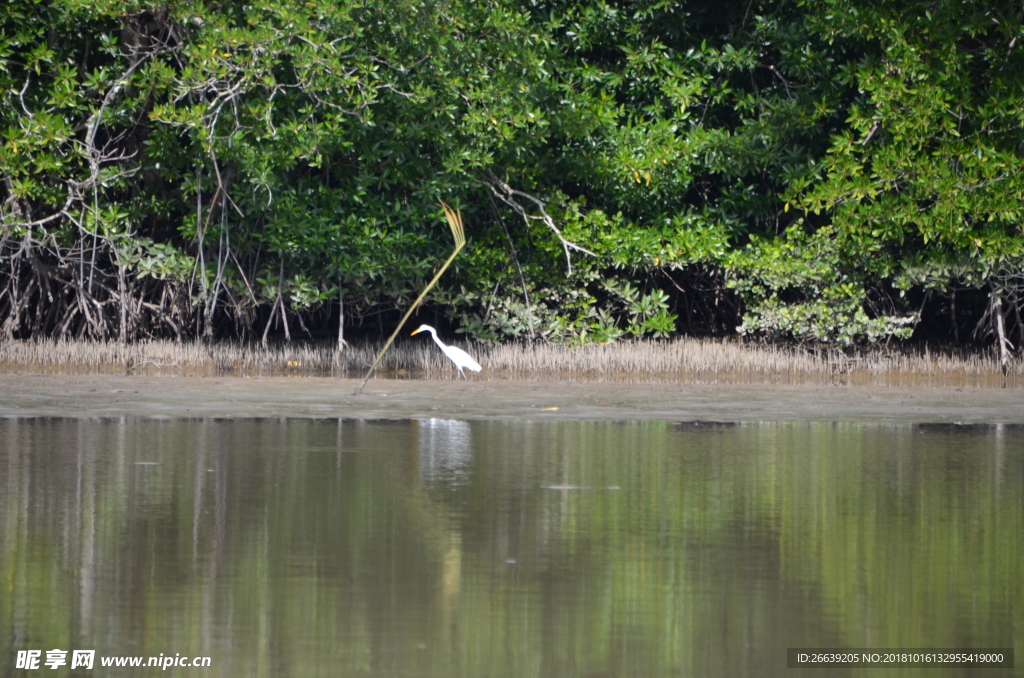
(682,360)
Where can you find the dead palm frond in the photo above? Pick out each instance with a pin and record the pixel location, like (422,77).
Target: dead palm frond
(454,218)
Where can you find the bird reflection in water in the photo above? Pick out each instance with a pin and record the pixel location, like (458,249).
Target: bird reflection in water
(445,451)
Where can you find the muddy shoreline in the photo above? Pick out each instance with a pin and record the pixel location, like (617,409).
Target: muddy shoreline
(90,396)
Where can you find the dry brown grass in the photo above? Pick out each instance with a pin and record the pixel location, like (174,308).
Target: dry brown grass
(682,360)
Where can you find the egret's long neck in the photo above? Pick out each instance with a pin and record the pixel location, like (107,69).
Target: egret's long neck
(437,341)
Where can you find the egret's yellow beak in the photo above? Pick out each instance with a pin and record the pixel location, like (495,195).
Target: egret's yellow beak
(413,332)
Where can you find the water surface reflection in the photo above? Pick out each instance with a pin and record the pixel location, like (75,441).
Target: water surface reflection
(452,548)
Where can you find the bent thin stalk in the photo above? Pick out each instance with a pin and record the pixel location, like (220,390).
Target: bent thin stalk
(455,222)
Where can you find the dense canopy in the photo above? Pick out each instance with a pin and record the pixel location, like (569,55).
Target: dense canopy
(835,171)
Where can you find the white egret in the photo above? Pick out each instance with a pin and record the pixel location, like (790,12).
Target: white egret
(457,355)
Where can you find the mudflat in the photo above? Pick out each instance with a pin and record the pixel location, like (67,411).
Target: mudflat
(28,395)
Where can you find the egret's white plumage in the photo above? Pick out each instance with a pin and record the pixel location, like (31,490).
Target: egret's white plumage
(457,355)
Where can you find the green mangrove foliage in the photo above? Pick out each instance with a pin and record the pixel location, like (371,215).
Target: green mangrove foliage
(839,171)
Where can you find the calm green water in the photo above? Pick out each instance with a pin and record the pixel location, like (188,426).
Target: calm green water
(436,548)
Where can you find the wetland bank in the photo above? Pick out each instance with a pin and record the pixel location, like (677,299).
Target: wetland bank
(669,380)
(682,360)
(677,380)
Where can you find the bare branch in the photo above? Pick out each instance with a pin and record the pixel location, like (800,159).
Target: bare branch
(508,195)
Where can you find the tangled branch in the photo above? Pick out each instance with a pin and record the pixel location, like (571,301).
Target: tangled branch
(508,195)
